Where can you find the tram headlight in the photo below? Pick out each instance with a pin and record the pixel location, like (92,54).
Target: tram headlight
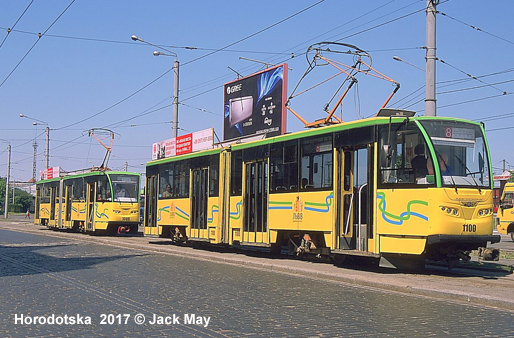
(116,211)
(485,212)
(450,211)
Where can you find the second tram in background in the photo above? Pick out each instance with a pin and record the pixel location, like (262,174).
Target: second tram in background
(93,202)
(397,188)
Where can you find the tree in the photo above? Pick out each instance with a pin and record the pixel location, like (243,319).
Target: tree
(22,199)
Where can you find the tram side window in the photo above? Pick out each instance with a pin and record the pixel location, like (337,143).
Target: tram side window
(403,157)
(78,190)
(214,165)
(508,200)
(103,189)
(317,164)
(284,167)
(181,179)
(45,194)
(236,174)
(166,186)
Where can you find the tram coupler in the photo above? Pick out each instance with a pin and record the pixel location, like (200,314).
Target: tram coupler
(123,229)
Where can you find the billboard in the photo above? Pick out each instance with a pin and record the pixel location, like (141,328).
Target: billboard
(49,173)
(183,144)
(256,104)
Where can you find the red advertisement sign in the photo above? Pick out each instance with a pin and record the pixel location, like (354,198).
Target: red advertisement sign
(184,144)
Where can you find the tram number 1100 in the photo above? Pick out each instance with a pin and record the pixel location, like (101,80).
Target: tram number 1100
(469,228)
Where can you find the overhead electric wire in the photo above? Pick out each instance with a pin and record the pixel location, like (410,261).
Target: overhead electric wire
(469,75)
(476,28)
(476,87)
(474,100)
(188,62)
(35,43)
(139,45)
(9,30)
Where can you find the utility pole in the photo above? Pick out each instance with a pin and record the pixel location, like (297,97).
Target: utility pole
(34,160)
(47,147)
(174,126)
(6,202)
(430,101)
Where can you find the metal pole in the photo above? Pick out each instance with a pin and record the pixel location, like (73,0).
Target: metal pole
(34,164)
(6,202)
(174,125)
(430,101)
(47,147)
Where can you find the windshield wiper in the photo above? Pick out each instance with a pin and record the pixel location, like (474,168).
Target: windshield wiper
(469,172)
(440,157)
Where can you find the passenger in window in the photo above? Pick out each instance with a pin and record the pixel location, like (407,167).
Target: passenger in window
(119,192)
(167,193)
(419,162)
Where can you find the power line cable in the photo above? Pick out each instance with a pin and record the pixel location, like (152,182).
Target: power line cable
(191,61)
(40,35)
(9,30)
(469,75)
(475,100)
(476,28)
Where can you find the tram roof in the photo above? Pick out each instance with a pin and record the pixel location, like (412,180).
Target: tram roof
(343,126)
(87,174)
(373,121)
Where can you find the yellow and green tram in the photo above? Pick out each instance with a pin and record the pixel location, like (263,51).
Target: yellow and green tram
(348,189)
(92,202)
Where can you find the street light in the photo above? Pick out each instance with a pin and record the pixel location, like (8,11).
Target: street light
(410,64)
(174,124)
(47,143)
(6,201)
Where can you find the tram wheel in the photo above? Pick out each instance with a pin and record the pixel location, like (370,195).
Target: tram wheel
(512,236)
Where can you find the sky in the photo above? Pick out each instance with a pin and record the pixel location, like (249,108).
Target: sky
(83,71)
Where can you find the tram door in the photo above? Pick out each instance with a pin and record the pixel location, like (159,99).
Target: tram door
(255,228)
(151,206)
(68,194)
(53,200)
(355,205)
(199,195)
(38,202)
(90,206)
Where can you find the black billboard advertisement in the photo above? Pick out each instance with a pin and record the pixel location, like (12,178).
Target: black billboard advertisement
(256,104)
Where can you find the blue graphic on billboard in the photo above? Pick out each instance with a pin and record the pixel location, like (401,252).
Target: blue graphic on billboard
(255,104)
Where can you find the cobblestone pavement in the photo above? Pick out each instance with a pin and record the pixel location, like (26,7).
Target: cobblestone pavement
(45,273)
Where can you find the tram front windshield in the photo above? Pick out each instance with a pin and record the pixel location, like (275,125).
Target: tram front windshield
(125,188)
(461,153)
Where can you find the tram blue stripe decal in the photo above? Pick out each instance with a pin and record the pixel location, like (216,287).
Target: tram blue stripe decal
(160,211)
(210,219)
(233,214)
(280,208)
(404,216)
(102,214)
(328,203)
(182,211)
